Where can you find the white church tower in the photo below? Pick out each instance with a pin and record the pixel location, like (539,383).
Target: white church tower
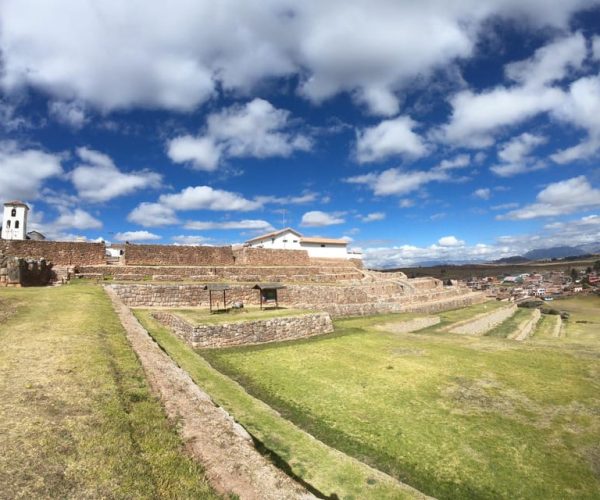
(15,221)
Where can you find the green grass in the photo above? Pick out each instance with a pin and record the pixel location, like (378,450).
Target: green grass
(545,327)
(510,325)
(454,416)
(77,418)
(234,315)
(326,469)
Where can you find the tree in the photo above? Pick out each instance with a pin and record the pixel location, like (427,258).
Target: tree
(574,274)
(597,266)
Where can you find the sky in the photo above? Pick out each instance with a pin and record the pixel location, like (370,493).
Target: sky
(418,131)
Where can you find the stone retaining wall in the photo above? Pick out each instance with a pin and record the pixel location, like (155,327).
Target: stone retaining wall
(483,323)
(171,255)
(306,274)
(526,327)
(59,253)
(247,256)
(556,329)
(246,332)
(16,272)
(356,300)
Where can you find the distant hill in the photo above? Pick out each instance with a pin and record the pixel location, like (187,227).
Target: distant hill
(515,259)
(554,253)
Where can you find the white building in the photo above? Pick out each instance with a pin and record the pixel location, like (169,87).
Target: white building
(15,221)
(290,239)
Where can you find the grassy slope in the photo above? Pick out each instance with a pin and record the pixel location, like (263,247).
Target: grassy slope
(77,418)
(510,325)
(327,470)
(455,416)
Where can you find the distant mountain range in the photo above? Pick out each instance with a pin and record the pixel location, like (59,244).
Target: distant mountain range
(559,252)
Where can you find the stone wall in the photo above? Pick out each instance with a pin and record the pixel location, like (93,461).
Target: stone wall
(172,255)
(483,323)
(246,256)
(526,327)
(337,300)
(59,253)
(246,332)
(16,272)
(307,274)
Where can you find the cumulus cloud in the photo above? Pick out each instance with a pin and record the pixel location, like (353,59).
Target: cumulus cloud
(316,218)
(581,108)
(450,241)
(189,239)
(256,129)
(559,198)
(515,155)
(258,225)
(396,181)
(372,217)
(483,193)
(389,138)
(75,219)
(24,171)
(136,236)
(477,117)
(71,113)
(207,198)
(119,55)
(98,179)
(153,215)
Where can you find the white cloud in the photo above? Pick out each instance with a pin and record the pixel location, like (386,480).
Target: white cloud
(76,219)
(483,193)
(406,203)
(259,225)
(477,117)
(396,181)
(372,217)
(189,239)
(559,198)
(207,198)
(72,113)
(581,108)
(136,236)
(10,120)
(124,54)
(516,155)
(98,179)
(550,63)
(460,161)
(389,138)
(305,197)
(23,171)
(256,129)
(200,152)
(316,218)
(152,215)
(450,241)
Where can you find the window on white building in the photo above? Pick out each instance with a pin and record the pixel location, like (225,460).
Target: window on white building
(7,224)
(13,212)
(16,224)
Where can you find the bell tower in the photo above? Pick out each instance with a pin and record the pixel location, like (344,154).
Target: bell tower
(14,224)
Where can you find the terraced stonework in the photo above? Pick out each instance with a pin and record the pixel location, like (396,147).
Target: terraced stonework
(246,332)
(483,323)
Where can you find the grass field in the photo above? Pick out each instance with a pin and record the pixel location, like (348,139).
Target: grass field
(455,416)
(77,419)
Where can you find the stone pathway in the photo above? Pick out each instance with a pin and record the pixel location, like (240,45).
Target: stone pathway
(223,447)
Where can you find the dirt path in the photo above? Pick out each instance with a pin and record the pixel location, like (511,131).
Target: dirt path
(232,463)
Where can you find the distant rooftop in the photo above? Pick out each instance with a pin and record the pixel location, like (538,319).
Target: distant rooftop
(16,203)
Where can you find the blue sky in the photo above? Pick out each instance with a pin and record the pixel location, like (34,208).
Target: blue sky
(418,130)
